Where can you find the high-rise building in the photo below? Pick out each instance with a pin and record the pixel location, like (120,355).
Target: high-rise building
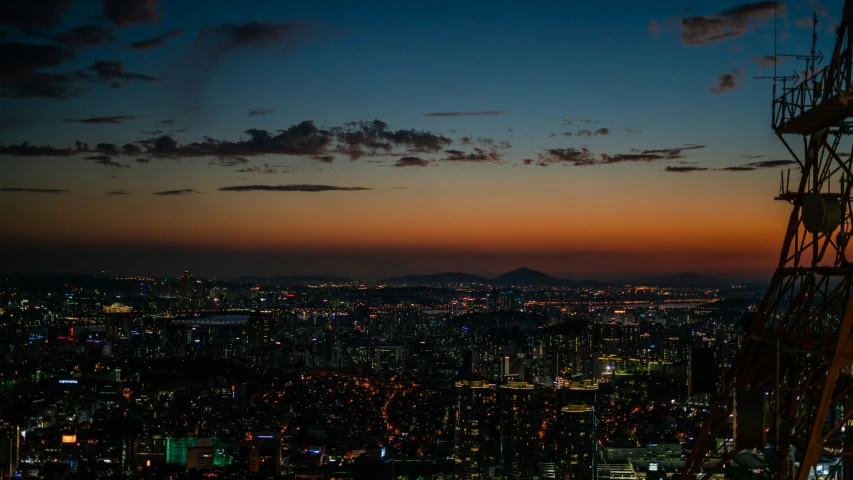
(262,327)
(519,430)
(10,449)
(472,452)
(576,442)
(505,300)
(577,437)
(188,285)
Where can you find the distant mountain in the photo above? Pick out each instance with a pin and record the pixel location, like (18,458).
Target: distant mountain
(526,276)
(448,277)
(688,279)
(521,276)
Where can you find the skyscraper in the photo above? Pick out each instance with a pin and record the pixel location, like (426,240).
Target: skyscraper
(577,436)
(576,442)
(519,430)
(472,454)
(10,449)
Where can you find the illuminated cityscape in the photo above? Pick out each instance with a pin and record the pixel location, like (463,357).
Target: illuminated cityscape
(345,379)
(426,240)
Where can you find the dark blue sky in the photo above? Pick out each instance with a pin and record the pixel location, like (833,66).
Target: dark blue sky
(633,107)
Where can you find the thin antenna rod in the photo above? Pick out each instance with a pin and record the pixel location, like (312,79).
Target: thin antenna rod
(775,36)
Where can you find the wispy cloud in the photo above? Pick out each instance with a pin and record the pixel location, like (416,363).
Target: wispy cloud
(27,150)
(684,169)
(759,165)
(412,162)
(260,111)
(86,36)
(123,13)
(106,161)
(594,133)
(767,61)
(291,188)
(654,28)
(481,113)
(117,192)
(183,191)
(156,42)
(30,190)
(772,163)
(103,120)
(730,23)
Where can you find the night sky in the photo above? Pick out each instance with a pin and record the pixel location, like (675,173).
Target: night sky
(585,139)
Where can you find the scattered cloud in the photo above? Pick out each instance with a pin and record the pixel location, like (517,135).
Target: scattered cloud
(260,111)
(156,42)
(106,161)
(491,153)
(805,22)
(266,168)
(103,120)
(759,165)
(32,16)
(153,132)
(183,191)
(730,23)
(631,130)
(117,192)
(768,60)
(368,138)
(86,36)
(725,82)
(684,169)
(584,157)
(528,161)
(21,75)
(143,160)
(213,43)
(122,13)
(229,162)
(571,121)
(30,190)
(115,73)
(291,188)
(170,121)
(771,163)
(324,158)
(27,150)
(466,114)
(594,133)
(573,156)
(654,28)
(737,169)
(412,162)
(752,157)
(568,134)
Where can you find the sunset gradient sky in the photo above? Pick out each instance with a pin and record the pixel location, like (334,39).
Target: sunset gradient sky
(659,102)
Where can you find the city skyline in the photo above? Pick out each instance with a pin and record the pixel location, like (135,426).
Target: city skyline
(587,141)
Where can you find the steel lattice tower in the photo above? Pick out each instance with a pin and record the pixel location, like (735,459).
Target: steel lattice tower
(796,360)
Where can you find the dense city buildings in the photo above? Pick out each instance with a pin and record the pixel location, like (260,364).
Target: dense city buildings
(326,378)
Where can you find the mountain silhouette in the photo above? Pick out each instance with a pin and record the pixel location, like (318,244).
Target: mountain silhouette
(519,277)
(527,276)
